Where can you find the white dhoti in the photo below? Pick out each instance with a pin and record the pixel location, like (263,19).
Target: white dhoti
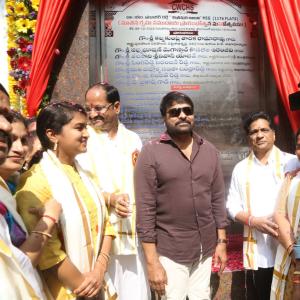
(128,276)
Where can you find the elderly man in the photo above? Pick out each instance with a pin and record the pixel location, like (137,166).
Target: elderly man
(111,155)
(181,212)
(252,198)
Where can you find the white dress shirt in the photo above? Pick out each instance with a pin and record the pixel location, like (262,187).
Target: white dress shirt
(264,187)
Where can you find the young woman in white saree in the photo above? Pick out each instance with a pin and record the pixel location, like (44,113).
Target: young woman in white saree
(75,259)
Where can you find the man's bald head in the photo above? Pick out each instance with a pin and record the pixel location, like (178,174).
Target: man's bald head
(106,90)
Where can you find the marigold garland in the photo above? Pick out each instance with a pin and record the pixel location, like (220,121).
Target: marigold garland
(21,22)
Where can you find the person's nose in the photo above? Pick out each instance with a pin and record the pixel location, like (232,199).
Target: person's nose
(93,113)
(259,134)
(182,115)
(5,125)
(18,147)
(85,133)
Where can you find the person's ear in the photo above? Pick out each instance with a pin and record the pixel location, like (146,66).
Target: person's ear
(52,136)
(117,107)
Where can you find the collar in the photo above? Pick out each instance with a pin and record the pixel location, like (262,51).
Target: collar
(165,137)
(271,159)
(104,133)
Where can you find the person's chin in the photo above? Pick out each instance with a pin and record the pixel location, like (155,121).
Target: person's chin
(14,168)
(184,129)
(97,124)
(82,149)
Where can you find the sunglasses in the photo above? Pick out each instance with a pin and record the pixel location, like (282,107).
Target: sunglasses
(175,112)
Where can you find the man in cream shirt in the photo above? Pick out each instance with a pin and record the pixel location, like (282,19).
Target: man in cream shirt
(111,155)
(252,198)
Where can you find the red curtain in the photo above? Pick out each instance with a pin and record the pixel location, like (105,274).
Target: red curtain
(50,22)
(281,23)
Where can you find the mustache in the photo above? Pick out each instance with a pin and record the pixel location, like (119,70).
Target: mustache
(5,138)
(100,118)
(182,122)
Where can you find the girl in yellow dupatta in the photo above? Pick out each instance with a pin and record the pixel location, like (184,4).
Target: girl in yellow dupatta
(75,260)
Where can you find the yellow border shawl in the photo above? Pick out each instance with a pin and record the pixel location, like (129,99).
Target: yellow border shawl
(115,178)
(26,278)
(77,235)
(249,241)
(18,280)
(283,260)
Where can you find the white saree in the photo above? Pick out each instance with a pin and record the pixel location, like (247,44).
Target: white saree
(19,279)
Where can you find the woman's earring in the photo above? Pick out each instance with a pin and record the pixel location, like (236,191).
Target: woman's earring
(55,146)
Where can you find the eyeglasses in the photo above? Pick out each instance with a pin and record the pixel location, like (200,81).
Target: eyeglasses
(175,112)
(98,108)
(264,131)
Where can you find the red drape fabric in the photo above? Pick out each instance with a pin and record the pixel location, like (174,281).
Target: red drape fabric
(50,21)
(281,23)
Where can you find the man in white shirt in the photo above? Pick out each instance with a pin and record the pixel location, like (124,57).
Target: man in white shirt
(111,154)
(252,198)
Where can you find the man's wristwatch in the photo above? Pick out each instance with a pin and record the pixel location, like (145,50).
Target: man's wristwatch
(222,241)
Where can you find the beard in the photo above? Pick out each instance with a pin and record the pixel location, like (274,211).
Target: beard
(176,130)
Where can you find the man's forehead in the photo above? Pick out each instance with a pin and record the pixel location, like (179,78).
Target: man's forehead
(260,123)
(179,104)
(96,95)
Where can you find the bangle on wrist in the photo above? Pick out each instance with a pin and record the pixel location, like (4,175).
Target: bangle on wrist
(104,255)
(50,218)
(42,233)
(222,241)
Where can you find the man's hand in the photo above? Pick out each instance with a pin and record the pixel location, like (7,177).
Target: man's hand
(265,225)
(157,277)
(221,257)
(296,292)
(121,204)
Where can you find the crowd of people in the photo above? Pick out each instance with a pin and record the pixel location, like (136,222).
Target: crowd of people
(87,212)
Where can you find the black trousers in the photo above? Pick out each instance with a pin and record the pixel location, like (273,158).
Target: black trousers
(258,283)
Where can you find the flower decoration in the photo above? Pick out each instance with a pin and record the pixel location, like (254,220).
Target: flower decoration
(21,20)
(21,9)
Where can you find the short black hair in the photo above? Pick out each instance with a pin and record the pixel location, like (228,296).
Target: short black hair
(18,117)
(54,116)
(2,89)
(112,93)
(177,97)
(253,116)
(30,120)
